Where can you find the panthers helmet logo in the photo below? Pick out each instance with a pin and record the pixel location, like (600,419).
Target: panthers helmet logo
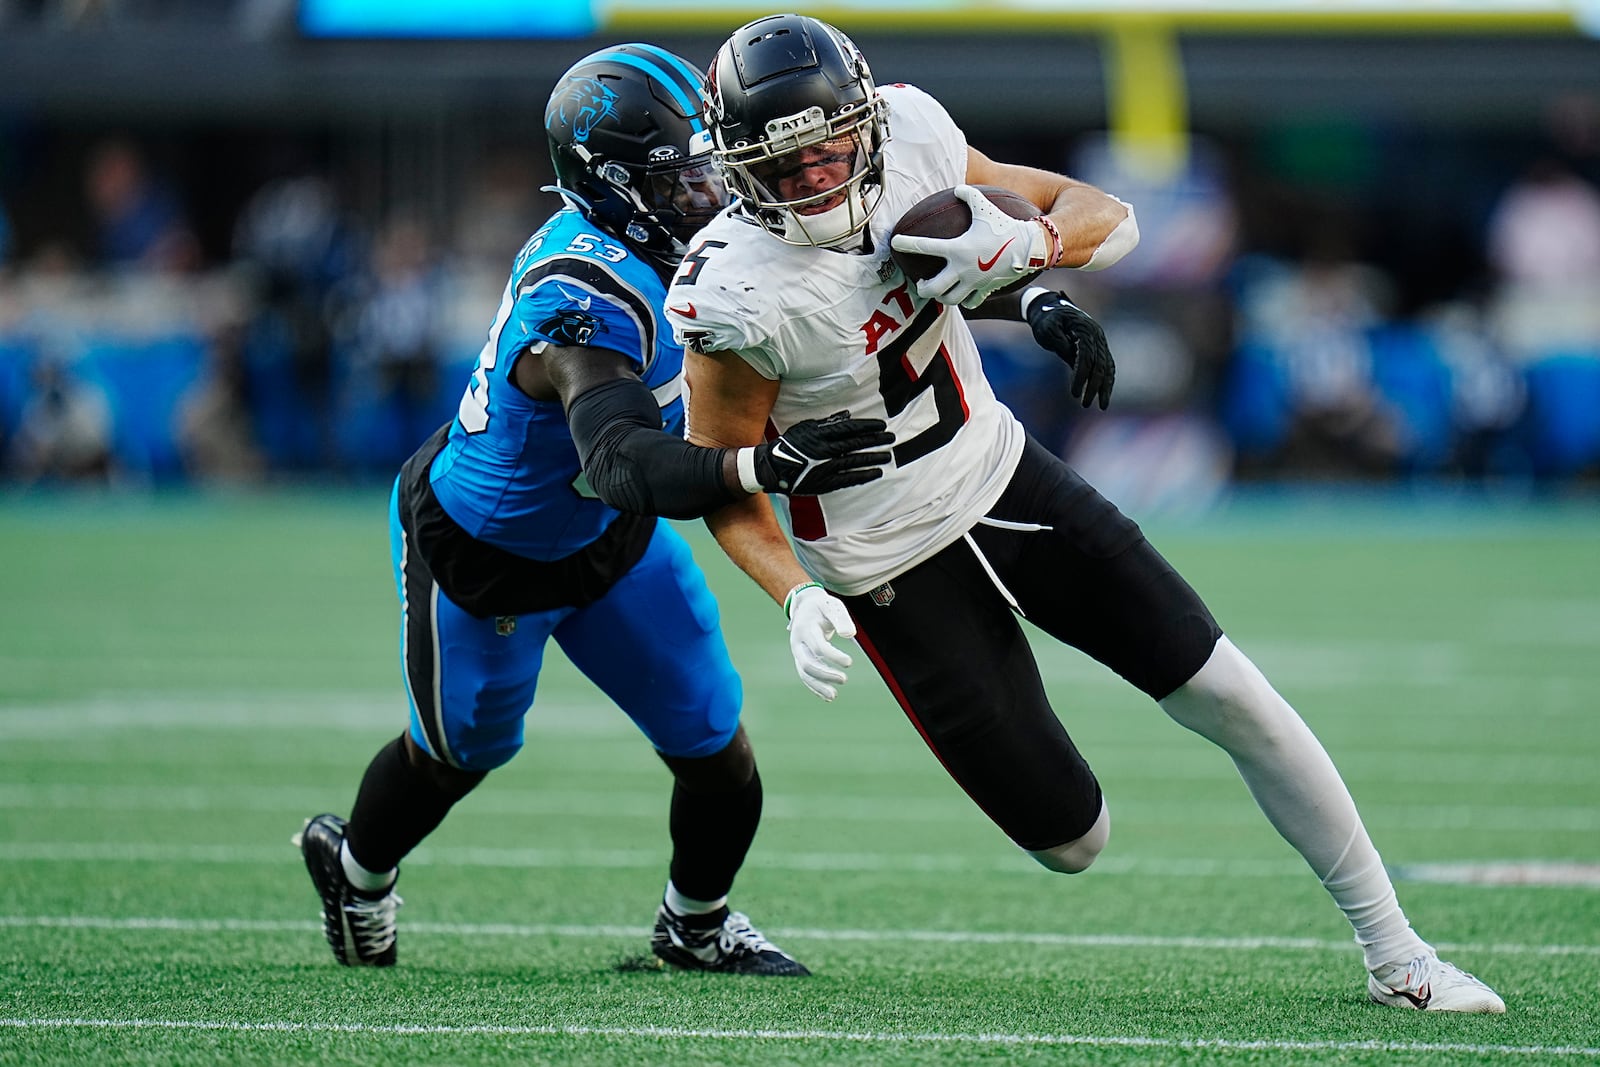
(587,104)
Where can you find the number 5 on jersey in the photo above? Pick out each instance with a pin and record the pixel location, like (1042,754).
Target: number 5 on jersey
(899,385)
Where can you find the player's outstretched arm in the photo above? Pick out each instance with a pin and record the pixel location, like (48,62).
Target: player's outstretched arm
(633,466)
(1092,229)
(1080,227)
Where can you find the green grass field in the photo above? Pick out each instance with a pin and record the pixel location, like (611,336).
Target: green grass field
(183,681)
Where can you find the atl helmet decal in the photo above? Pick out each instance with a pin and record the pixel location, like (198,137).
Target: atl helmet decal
(587,104)
(713,92)
(857,60)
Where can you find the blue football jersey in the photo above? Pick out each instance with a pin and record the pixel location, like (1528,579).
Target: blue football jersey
(510,473)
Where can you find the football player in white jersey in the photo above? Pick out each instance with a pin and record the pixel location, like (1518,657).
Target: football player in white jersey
(789,306)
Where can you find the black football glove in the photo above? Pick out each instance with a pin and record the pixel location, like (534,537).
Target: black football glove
(818,456)
(1068,331)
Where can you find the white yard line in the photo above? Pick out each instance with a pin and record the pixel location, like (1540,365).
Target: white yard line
(498,801)
(1003,862)
(568,707)
(941,937)
(1126,760)
(1503,872)
(1522,873)
(848,1036)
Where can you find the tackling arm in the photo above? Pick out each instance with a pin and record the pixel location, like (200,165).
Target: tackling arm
(633,466)
(1065,329)
(616,424)
(1006,307)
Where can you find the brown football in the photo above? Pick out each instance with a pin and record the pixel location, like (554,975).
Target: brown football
(943,214)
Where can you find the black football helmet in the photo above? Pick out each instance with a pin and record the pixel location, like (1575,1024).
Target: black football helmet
(632,148)
(788,82)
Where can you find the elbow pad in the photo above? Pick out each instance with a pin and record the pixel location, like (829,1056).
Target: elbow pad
(633,464)
(1118,243)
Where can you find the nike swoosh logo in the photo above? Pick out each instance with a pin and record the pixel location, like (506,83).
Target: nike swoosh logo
(1421,1001)
(583,305)
(686,311)
(995,258)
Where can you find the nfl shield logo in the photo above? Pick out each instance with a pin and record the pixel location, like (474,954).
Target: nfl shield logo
(883,596)
(505,625)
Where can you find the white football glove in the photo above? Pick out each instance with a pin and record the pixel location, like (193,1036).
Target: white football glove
(815,617)
(995,251)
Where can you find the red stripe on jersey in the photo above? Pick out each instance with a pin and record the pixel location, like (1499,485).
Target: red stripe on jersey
(805,517)
(805,512)
(966,412)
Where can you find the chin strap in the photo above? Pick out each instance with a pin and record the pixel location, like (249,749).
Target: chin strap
(572,198)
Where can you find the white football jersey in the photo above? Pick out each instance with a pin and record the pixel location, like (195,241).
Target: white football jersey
(843,331)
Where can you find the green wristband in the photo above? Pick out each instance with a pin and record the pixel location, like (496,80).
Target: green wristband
(788,601)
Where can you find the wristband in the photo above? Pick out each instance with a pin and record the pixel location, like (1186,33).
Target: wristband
(1054,255)
(788,601)
(1032,293)
(745,461)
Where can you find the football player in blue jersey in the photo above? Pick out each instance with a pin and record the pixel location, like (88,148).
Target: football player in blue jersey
(532,516)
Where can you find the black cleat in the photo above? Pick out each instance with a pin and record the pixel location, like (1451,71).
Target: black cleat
(359,926)
(731,947)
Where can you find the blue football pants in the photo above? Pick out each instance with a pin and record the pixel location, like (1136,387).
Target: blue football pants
(652,644)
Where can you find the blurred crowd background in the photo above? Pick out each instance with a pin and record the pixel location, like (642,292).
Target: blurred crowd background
(230,254)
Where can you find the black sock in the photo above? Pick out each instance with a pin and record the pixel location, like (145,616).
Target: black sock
(711,832)
(399,804)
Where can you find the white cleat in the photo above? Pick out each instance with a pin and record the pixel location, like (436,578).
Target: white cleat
(1428,983)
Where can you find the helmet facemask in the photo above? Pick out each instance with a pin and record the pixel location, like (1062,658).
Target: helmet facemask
(809,139)
(661,205)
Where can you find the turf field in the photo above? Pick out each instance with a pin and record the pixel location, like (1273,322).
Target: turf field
(182,682)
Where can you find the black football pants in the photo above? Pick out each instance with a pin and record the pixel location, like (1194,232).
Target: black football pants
(946,640)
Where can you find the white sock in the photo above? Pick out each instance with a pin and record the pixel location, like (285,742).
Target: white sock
(682,905)
(363,879)
(1231,704)
(1363,891)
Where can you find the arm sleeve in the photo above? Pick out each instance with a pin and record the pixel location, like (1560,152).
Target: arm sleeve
(636,466)
(1005,305)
